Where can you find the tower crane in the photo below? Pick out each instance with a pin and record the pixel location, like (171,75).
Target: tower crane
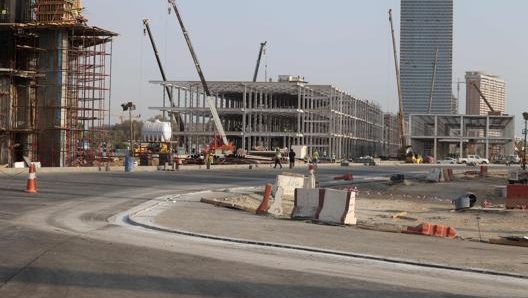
(262,45)
(212,106)
(167,89)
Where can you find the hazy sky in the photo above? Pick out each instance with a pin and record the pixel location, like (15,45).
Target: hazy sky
(345,43)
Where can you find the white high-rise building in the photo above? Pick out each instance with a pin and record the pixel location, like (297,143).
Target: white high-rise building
(492,87)
(426,26)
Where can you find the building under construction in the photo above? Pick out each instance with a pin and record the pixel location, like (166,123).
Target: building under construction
(267,115)
(54,82)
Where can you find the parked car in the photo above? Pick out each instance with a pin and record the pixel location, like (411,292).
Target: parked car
(514,158)
(510,159)
(473,160)
(447,160)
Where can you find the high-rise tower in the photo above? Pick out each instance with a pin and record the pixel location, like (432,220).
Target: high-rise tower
(426,27)
(491,86)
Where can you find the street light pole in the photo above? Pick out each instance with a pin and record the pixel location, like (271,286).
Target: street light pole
(131,132)
(525,116)
(129,106)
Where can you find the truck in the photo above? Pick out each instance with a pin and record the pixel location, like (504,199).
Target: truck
(473,160)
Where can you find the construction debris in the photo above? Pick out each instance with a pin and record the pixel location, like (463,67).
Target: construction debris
(511,240)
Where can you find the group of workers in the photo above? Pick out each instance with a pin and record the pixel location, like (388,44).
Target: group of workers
(291,158)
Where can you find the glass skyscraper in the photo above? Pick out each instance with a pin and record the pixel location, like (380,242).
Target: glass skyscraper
(425,27)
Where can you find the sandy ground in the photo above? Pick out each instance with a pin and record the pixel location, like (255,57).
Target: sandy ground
(393,207)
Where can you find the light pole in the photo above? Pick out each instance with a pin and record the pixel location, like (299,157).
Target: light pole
(525,116)
(129,106)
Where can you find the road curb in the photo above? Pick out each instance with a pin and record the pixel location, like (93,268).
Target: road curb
(134,218)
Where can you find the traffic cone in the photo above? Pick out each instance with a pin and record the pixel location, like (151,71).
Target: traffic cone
(265,205)
(32,180)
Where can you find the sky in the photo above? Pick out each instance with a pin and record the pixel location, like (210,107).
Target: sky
(344,43)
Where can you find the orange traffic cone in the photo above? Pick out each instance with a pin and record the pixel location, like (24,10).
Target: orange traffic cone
(32,180)
(265,205)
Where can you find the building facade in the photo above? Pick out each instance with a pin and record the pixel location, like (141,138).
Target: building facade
(426,52)
(491,86)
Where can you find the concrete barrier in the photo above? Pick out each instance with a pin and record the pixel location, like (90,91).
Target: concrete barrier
(307,202)
(434,175)
(289,182)
(338,207)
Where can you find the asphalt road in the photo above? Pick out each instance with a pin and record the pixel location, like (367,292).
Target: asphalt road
(63,242)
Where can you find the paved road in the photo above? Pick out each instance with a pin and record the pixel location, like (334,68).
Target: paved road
(65,241)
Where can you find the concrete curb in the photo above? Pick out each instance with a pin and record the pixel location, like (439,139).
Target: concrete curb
(137,217)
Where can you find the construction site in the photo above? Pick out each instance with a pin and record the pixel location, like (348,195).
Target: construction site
(262,116)
(54,82)
(55,75)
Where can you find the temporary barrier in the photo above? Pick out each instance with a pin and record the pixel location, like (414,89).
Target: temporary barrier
(289,182)
(307,202)
(338,207)
(276,207)
(429,229)
(346,177)
(517,196)
(450,174)
(264,206)
(434,175)
(31,185)
(483,171)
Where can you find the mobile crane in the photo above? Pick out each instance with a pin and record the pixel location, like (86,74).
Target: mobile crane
(262,45)
(491,110)
(167,89)
(214,145)
(400,97)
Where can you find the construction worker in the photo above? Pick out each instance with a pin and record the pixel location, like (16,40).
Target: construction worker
(291,156)
(315,157)
(278,157)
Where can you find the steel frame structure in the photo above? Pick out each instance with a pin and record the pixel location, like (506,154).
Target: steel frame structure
(266,115)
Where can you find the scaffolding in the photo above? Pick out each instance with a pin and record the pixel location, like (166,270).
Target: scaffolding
(51,11)
(267,115)
(54,84)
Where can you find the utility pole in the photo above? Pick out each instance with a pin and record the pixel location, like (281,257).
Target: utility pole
(400,113)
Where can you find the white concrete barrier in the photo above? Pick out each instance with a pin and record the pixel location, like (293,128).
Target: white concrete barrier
(434,175)
(276,206)
(338,207)
(307,202)
(289,182)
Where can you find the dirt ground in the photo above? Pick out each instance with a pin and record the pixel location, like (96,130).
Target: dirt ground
(393,207)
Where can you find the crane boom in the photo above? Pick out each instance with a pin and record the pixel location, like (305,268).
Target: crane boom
(492,110)
(212,107)
(191,49)
(262,45)
(163,76)
(433,82)
(400,113)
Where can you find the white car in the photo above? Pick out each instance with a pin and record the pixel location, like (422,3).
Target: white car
(447,160)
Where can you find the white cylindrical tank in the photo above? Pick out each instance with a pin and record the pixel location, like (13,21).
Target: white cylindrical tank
(157,131)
